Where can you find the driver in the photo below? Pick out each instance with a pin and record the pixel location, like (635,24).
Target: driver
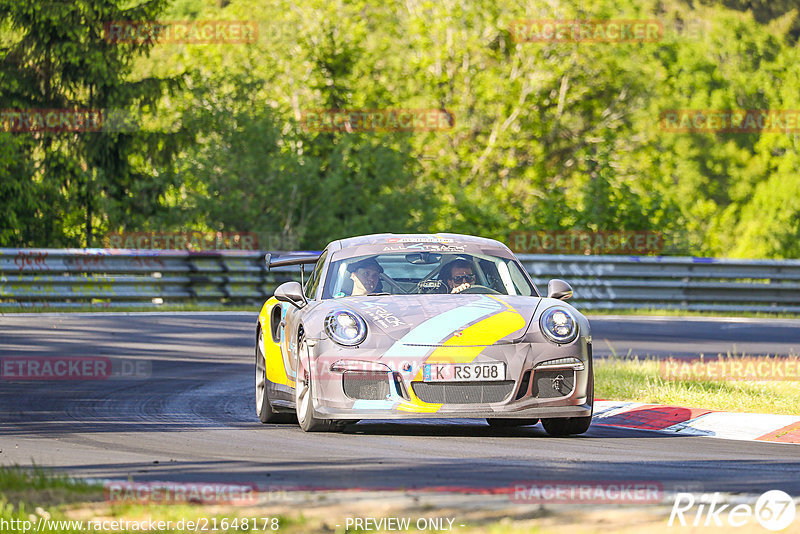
(458,275)
(365,275)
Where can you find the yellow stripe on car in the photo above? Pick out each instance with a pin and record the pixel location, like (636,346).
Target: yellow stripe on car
(466,347)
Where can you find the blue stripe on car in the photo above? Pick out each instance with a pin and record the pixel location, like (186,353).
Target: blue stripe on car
(438,328)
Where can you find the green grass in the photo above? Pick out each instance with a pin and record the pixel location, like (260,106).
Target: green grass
(20,485)
(84,506)
(16,478)
(25,493)
(639,380)
(34,494)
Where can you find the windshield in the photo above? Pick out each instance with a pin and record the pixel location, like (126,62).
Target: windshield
(425,273)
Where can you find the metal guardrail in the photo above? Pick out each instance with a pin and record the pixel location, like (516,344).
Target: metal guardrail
(117,277)
(665,282)
(112,277)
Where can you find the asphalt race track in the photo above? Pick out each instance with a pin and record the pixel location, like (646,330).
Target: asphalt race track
(689,336)
(194,418)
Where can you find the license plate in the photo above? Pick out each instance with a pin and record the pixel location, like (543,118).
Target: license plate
(463,372)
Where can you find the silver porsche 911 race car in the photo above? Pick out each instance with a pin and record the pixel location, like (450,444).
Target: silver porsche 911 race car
(421,326)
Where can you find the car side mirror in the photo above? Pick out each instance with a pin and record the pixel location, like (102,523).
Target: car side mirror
(559,289)
(291,292)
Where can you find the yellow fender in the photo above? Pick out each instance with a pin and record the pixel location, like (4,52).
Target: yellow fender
(273,355)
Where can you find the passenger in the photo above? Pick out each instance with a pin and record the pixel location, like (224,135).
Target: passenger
(458,275)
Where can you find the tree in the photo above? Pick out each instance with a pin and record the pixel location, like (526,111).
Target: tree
(56,56)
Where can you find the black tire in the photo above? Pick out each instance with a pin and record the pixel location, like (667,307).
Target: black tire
(263,407)
(566,426)
(570,426)
(303,400)
(510,423)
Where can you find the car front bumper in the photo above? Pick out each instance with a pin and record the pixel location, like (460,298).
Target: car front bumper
(396,392)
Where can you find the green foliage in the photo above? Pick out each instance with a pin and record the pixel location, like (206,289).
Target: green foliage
(553,135)
(55,56)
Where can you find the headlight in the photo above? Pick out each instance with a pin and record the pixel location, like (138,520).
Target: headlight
(346,327)
(559,325)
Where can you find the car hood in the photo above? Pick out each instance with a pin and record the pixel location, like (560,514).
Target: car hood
(455,320)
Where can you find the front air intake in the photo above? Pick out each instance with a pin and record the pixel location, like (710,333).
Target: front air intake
(549,384)
(366,385)
(463,392)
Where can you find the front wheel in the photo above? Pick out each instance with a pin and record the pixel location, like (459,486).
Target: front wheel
(566,426)
(303,394)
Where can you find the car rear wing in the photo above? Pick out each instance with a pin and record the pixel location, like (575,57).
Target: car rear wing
(292,258)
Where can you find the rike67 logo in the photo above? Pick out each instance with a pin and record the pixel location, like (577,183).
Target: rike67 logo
(774,510)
